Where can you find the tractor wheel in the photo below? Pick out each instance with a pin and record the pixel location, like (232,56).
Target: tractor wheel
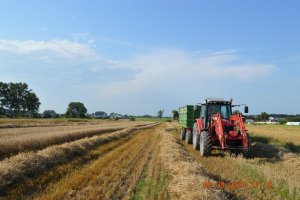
(246,153)
(188,137)
(236,152)
(205,144)
(182,134)
(196,137)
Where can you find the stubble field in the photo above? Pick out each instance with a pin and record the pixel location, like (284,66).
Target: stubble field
(103,159)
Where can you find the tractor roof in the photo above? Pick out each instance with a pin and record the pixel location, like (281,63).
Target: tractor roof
(216,100)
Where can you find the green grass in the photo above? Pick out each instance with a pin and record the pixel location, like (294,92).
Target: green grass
(281,135)
(155,119)
(152,188)
(253,175)
(154,181)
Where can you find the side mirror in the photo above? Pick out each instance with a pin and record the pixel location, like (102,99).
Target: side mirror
(196,107)
(246,109)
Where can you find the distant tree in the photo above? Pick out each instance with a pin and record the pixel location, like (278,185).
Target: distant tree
(264,116)
(17,99)
(16,96)
(160,113)
(147,116)
(132,118)
(49,114)
(282,121)
(3,96)
(295,118)
(31,103)
(175,114)
(76,110)
(236,112)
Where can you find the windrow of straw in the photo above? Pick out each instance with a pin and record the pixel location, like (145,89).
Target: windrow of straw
(187,175)
(13,141)
(25,165)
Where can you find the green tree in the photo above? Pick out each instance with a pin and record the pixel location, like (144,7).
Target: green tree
(76,110)
(132,118)
(16,96)
(160,113)
(17,99)
(3,96)
(264,116)
(31,103)
(175,114)
(282,121)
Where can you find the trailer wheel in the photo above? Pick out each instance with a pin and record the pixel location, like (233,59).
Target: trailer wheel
(196,137)
(182,134)
(188,137)
(205,144)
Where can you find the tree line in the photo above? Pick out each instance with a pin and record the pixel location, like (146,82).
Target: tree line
(281,118)
(16,99)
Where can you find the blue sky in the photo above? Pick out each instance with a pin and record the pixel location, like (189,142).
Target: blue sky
(137,57)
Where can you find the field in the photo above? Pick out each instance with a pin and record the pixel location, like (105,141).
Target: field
(104,159)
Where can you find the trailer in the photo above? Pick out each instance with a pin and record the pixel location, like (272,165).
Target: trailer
(187,117)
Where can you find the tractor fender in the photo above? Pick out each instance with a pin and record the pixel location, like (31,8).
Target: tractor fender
(199,124)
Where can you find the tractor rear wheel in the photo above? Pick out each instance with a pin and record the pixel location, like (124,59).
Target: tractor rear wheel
(182,134)
(196,137)
(188,137)
(205,144)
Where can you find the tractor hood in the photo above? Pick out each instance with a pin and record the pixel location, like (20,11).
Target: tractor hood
(226,122)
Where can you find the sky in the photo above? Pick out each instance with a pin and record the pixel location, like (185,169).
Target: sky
(137,57)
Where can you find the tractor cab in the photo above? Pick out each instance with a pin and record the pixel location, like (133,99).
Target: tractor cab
(210,107)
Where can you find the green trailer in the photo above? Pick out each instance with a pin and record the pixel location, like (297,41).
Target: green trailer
(187,117)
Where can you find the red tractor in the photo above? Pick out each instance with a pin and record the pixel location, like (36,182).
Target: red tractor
(218,128)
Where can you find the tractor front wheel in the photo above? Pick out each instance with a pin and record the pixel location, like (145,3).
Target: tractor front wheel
(205,144)
(246,152)
(188,137)
(182,134)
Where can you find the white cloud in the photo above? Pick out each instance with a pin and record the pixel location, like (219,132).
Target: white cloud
(176,68)
(59,48)
(77,71)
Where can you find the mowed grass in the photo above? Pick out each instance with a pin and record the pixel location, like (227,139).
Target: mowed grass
(114,176)
(282,135)
(25,165)
(39,182)
(16,140)
(33,122)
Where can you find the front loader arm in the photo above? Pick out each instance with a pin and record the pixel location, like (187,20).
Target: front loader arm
(237,120)
(216,122)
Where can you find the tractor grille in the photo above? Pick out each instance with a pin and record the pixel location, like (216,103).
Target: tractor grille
(226,129)
(234,143)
